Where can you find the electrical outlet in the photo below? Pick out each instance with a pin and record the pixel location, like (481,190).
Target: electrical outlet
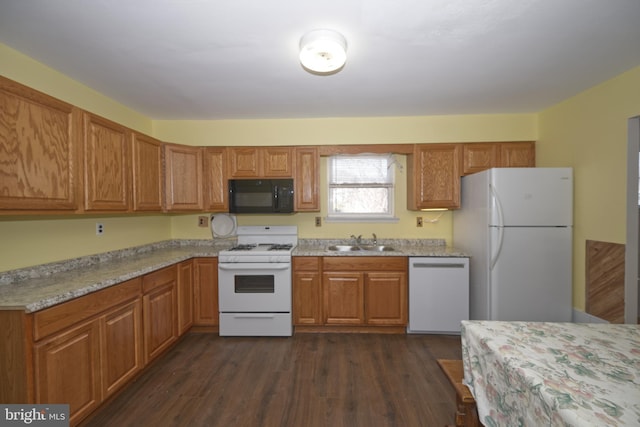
(318,221)
(99,229)
(203,221)
(419,221)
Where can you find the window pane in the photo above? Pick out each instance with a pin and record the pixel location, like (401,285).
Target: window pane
(359,170)
(361,186)
(359,200)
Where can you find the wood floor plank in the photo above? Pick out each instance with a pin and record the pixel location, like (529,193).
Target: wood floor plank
(306,380)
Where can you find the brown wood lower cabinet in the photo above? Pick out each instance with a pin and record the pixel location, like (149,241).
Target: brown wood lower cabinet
(87,363)
(121,346)
(386,298)
(307,291)
(81,352)
(350,291)
(67,370)
(343,298)
(206,292)
(159,310)
(87,348)
(185,296)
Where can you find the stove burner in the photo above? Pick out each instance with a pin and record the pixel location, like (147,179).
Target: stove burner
(281,247)
(262,246)
(243,247)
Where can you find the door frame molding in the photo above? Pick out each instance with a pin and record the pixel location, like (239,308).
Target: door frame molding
(631,250)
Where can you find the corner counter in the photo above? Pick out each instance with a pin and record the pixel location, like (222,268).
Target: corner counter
(35,288)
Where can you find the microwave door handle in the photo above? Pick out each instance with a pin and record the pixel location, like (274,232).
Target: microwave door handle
(276,202)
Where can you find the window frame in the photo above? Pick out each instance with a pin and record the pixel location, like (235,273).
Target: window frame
(390,186)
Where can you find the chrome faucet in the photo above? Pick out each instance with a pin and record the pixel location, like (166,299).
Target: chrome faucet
(358,239)
(375,239)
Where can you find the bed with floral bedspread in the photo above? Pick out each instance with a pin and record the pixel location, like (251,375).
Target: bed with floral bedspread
(553,374)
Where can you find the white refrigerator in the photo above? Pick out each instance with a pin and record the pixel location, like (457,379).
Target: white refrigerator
(516,225)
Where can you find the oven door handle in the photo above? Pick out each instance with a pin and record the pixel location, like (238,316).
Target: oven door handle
(248,266)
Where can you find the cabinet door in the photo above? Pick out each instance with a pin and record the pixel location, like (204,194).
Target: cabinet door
(386,298)
(307,179)
(307,298)
(183,178)
(39,150)
(433,177)
(479,157)
(307,291)
(206,291)
(215,180)
(121,346)
(517,155)
(159,308)
(147,173)
(277,162)
(106,165)
(244,162)
(185,296)
(67,370)
(343,298)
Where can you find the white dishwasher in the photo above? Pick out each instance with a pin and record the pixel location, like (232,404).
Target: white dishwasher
(438,294)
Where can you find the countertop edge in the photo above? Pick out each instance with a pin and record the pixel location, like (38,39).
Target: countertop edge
(36,288)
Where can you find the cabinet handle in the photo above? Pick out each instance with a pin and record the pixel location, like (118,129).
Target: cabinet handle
(437,265)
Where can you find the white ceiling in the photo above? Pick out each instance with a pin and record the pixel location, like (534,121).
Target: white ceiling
(208,59)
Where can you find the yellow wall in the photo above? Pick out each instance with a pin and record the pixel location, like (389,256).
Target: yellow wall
(20,68)
(589,132)
(34,239)
(355,130)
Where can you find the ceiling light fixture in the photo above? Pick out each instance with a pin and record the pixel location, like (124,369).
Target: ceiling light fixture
(323,51)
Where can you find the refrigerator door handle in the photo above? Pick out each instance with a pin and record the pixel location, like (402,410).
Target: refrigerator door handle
(500,227)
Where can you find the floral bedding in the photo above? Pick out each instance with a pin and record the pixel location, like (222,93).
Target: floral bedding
(553,374)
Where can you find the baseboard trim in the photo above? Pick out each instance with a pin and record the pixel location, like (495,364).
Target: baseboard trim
(583,317)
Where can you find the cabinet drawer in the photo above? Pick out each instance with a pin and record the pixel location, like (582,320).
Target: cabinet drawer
(306,263)
(58,317)
(158,278)
(374,263)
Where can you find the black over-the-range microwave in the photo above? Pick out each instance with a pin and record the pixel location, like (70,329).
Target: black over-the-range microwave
(261,196)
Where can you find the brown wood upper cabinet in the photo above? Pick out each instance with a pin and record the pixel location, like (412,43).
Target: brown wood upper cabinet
(307,179)
(258,162)
(433,176)
(106,165)
(183,178)
(40,151)
(216,198)
(477,157)
(147,173)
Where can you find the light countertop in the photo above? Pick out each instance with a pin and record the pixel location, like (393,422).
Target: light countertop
(35,288)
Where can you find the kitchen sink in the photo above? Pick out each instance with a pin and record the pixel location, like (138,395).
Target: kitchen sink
(343,248)
(376,248)
(370,248)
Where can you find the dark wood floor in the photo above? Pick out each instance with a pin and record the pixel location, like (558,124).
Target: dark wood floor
(305,380)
